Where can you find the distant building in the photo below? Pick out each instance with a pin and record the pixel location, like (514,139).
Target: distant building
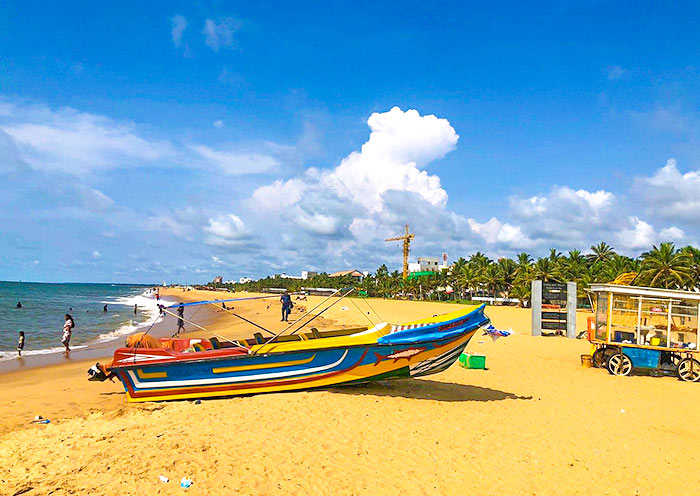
(355,274)
(307,274)
(244,280)
(218,280)
(428,264)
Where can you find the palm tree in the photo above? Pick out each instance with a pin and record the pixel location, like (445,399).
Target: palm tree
(694,254)
(479,260)
(665,267)
(492,279)
(509,272)
(469,278)
(521,292)
(546,271)
(554,255)
(602,252)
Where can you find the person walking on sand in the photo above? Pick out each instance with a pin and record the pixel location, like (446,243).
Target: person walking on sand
(67,331)
(20,344)
(180,318)
(286,306)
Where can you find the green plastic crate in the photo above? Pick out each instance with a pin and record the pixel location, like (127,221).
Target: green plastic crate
(472,361)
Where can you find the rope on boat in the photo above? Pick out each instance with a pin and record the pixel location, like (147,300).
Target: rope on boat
(321,312)
(202,328)
(375,312)
(296,321)
(363,313)
(243,318)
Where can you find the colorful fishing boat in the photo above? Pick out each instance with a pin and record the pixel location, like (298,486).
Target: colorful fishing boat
(173,369)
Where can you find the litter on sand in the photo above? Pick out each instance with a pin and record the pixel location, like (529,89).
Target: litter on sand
(185,482)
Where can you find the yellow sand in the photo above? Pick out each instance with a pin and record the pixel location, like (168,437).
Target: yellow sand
(536,422)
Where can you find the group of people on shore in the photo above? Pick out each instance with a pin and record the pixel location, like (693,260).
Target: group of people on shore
(68,326)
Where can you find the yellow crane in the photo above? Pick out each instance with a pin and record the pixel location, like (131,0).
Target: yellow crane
(406,238)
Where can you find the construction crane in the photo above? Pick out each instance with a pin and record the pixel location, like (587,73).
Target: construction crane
(406,238)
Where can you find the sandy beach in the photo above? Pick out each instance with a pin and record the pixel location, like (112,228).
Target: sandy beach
(535,422)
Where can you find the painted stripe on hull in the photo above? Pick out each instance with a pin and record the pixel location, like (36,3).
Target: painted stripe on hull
(439,363)
(230,379)
(208,391)
(358,371)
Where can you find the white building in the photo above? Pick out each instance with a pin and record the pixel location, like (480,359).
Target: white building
(244,280)
(428,264)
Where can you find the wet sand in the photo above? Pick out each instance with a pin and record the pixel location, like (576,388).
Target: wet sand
(535,422)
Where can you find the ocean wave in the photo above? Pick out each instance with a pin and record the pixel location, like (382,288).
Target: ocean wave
(8,355)
(147,305)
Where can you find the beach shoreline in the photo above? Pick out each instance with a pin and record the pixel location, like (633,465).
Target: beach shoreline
(495,431)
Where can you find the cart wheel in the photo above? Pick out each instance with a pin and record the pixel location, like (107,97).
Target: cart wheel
(689,370)
(620,364)
(599,358)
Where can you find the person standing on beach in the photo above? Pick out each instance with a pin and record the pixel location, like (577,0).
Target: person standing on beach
(20,344)
(286,306)
(136,309)
(104,308)
(67,331)
(180,318)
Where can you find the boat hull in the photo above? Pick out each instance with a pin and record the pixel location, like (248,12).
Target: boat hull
(407,351)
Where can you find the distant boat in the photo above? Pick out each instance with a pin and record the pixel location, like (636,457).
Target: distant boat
(173,369)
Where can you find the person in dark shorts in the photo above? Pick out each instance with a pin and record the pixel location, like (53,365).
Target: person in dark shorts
(286,306)
(180,318)
(20,343)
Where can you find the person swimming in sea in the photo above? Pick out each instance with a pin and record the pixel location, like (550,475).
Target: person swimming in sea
(18,305)
(104,308)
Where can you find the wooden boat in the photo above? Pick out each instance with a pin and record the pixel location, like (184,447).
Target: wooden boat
(199,368)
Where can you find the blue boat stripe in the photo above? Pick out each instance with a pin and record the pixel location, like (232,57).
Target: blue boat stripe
(230,379)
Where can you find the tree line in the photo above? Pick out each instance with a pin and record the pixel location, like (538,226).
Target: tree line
(664,266)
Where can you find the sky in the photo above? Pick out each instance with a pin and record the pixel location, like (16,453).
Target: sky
(178,141)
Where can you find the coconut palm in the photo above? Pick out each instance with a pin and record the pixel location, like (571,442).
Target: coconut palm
(546,271)
(492,279)
(665,267)
(602,252)
(469,278)
(508,270)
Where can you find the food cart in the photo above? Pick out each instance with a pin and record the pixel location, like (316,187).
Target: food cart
(645,328)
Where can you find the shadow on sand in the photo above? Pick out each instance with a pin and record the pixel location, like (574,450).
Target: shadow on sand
(427,389)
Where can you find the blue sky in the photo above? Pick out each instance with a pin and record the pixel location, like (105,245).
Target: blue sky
(179,141)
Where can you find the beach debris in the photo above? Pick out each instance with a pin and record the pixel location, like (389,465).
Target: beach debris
(344,308)
(40,420)
(496,333)
(197,402)
(185,482)
(163,479)
(622,410)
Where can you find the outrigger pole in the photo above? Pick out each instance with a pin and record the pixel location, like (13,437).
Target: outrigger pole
(301,318)
(249,321)
(175,305)
(200,327)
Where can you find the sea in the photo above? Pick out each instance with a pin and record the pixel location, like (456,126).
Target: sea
(44,305)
